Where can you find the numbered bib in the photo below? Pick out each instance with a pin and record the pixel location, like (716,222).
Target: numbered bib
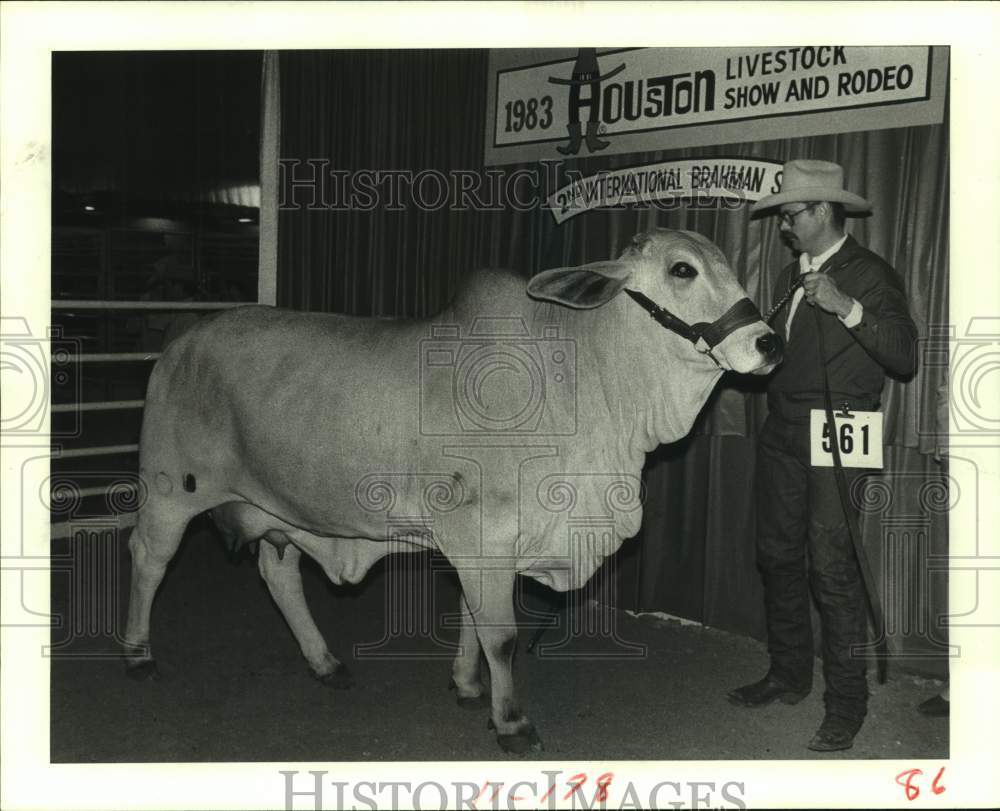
(858,434)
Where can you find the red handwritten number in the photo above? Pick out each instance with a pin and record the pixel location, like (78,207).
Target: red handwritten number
(602,786)
(934,786)
(912,792)
(906,780)
(582,778)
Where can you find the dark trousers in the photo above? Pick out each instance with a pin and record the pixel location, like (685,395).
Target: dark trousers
(799,512)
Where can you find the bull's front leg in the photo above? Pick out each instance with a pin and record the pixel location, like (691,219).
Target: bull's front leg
(489,594)
(465,675)
(284,581)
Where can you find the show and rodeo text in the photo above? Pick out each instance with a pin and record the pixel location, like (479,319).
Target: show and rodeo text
(844,83)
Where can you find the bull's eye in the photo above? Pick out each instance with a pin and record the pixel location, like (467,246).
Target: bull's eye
(682,270)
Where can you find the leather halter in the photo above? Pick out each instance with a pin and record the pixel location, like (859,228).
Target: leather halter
(703,335)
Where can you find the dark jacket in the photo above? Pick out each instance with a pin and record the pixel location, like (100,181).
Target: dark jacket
(857,358)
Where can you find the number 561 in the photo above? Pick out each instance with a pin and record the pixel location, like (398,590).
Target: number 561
(845,438)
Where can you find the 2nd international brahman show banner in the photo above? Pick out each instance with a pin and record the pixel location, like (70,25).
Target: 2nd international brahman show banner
(556,104)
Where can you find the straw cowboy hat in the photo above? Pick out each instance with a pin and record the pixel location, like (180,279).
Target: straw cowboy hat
(807,181)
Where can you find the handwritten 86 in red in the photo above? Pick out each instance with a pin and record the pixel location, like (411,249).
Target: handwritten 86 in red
(910,782)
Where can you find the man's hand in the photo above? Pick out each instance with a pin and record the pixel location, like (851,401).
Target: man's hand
(822,290)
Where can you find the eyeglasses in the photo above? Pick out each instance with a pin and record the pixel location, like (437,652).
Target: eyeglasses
(789,218)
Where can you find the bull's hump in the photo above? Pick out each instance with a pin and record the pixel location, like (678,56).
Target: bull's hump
(242,323)
(489,290)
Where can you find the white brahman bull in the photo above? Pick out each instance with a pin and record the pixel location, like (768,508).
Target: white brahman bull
(480,433)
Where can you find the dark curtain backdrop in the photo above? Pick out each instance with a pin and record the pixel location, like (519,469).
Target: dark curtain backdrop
(418,110)
(398,110)
(157,125)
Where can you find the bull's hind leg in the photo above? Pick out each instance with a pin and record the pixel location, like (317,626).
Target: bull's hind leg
(157,534)
(490,597)
(284,581)
(465,669)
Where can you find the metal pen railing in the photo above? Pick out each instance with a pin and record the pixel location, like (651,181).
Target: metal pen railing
(123,519)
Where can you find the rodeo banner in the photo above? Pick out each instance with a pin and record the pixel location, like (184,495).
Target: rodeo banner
(548,103)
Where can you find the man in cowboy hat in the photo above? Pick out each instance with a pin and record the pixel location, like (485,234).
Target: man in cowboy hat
(866,331)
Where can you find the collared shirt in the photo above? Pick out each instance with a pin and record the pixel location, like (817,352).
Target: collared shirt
(809,264)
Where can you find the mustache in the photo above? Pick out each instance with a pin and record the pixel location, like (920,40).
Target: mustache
(788,238)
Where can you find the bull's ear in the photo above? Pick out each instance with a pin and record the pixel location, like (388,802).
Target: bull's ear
(583,287)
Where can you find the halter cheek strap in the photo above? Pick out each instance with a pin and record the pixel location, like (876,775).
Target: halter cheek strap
(703,335)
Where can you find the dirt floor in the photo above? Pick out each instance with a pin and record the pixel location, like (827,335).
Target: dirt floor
(235,688)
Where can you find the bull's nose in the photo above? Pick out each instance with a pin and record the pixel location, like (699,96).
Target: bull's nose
(771,346)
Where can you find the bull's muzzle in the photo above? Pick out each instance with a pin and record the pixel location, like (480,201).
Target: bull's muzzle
(771,346)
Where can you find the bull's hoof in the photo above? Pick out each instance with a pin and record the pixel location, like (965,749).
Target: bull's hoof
(482,701)
(143,671)
(473,702)
(340,678)
(520,742)
(524,740)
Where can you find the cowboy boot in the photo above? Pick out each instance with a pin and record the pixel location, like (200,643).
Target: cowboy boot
(594,144)
(574,140)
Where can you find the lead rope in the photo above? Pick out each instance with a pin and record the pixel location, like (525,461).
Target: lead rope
(783,300)
(874,604)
